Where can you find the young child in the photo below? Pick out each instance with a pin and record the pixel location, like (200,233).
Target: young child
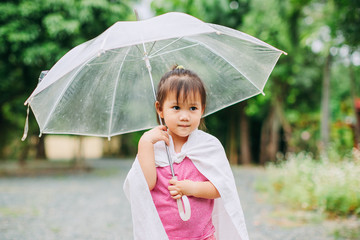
(200,164)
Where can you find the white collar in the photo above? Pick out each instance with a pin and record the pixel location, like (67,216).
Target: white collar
(161,159)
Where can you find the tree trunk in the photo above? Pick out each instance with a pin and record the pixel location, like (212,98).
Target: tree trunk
(325,106)
(112,148)
(24,154)
(273,146)
(269,137)
(79,158)
(40,148)
(264,139)
(245,150)
(119,144)
(285,125)
(232,143)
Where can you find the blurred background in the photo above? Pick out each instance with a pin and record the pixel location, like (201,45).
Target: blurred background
(312,98)
(307,123)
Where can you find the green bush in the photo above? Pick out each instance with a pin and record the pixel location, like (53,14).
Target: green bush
(327,185)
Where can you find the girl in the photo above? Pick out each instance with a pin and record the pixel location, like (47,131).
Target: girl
(200,164)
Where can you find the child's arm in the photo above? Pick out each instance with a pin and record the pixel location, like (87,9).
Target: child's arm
(146,155)
(190,188)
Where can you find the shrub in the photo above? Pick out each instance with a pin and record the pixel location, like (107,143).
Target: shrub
(327,185)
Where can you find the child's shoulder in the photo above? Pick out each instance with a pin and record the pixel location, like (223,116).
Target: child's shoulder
(207,142)
(204,136)
(201,133)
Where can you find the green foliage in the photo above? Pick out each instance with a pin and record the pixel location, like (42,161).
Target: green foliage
(224,12)
(296,82)
(279,24)
(305,130)
(330,185)
(33,36)
(348,18)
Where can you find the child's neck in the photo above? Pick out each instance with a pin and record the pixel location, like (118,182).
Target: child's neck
(178,142)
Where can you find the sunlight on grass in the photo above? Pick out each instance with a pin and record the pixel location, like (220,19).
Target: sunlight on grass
(328,188)
(326,185)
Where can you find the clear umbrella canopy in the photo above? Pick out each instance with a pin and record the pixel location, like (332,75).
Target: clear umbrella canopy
(104,87)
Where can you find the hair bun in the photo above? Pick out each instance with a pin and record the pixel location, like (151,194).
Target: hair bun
(177,67)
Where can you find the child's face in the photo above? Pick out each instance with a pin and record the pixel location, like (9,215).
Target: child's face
(181,117)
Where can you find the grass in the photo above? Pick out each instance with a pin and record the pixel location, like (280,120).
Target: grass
(328,187)
(346,233)
(303,182)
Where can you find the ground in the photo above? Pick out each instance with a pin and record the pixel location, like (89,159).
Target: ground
(92,205)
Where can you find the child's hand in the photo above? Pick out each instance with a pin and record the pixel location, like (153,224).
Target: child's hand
(146,155)
(179,188)
(190,188)
(156,134)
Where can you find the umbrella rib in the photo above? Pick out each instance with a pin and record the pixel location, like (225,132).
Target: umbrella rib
(115,89)
(152,47)
(139,49)
(63,92)
(165,46)
(109,62)
(174,50)
(218,54)
(101,135)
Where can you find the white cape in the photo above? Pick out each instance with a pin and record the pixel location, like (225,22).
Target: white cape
(209,157)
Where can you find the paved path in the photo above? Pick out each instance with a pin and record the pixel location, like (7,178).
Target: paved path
(93,206)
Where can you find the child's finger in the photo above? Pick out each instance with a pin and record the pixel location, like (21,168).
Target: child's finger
(177,196)
(172,181)
(166,138)
(162,134)
(174,193)
(163,128)
(173,188)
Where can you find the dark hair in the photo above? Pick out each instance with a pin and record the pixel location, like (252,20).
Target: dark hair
(182,82)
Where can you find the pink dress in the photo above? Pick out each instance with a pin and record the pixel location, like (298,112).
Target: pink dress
(199,226)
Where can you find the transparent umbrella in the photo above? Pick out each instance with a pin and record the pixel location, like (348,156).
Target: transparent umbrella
(106,86)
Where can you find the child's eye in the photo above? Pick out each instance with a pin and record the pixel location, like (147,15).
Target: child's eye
(176,107)
(193,108)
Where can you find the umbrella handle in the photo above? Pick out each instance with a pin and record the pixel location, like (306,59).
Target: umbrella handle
(184,214)
(183,206)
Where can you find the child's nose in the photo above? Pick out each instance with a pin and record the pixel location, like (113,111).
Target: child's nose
(184,116)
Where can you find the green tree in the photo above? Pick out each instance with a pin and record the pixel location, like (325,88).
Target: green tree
(347,17)
(313,33)
(33,36)
(333,36)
